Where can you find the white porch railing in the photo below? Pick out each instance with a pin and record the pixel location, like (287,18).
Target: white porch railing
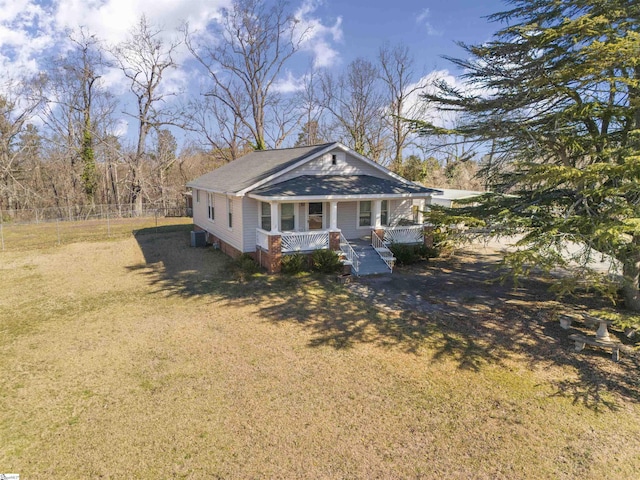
(350,253)
(404,234)
(262,239)
(383,251)
(303,241)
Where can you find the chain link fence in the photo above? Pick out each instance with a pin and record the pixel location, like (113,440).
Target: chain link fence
(43,227)
(87,212)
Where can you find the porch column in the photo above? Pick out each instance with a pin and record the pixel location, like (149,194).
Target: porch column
(422,206)
(275,217)
(297,218)
(272,261)
(377,213)
(333,215)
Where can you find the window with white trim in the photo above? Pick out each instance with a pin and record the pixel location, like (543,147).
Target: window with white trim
(384,212)
(211,203)
(316,216)
(364,213)
(197,196)
(287,217)
(230,210)
(265,216)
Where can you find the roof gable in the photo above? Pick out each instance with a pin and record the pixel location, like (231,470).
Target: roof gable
(340,186)
(250,169)
(265,166)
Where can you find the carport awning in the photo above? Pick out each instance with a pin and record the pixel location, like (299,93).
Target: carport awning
(341,186)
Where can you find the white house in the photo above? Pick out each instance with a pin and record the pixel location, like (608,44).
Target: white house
(274,202)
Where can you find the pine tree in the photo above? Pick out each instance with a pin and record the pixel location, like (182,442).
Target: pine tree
(557,95)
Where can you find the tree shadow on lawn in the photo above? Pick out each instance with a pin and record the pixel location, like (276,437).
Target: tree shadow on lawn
(449,309)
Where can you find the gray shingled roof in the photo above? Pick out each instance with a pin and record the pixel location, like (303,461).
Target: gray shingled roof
(252,168)
(321,185)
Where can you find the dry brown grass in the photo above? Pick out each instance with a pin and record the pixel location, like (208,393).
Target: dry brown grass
(18,236)
(141,358)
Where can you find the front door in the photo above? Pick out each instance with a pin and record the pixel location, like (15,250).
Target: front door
(315,216)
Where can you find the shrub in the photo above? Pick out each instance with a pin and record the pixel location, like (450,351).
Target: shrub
(410,254)
(326,261)
(426,252)
(294,264)
(405,254)
(244,267)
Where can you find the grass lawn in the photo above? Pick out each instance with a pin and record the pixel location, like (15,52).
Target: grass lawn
(140,357)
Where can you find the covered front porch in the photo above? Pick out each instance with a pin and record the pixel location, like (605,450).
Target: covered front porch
(314,212)
(306,241)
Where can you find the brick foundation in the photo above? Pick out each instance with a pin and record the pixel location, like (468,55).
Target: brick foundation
(379,232)
(334,241)
(272,263)
(271,259)
(224,247)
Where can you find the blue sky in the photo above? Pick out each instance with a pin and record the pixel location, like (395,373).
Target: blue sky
(29,27)
(32,31)
(429,28)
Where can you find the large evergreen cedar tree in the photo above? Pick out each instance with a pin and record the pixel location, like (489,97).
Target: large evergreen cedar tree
(557,94)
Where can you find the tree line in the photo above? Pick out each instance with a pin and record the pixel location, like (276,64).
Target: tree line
(62,134)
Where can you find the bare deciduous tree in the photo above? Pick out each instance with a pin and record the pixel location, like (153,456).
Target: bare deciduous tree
(20,100)
(356,103)
(163,159)
(311,132)
(397,74)
(253,40)
(78,113)
(144,58)
(223,131)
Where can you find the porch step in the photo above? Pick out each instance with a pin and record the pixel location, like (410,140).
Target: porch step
(370,261)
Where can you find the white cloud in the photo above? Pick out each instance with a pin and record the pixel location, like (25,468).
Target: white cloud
(112,79)
(318,38)
(31,30)
(24,31)
(417,108)
(111,20)
(289,84)
(423,15)
(422,19)
(120,128)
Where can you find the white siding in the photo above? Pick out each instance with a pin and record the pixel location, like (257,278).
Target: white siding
(347,220)
(220,227)
(250,223)
(400,209)
(348,217)
(346,165)
(199,207)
